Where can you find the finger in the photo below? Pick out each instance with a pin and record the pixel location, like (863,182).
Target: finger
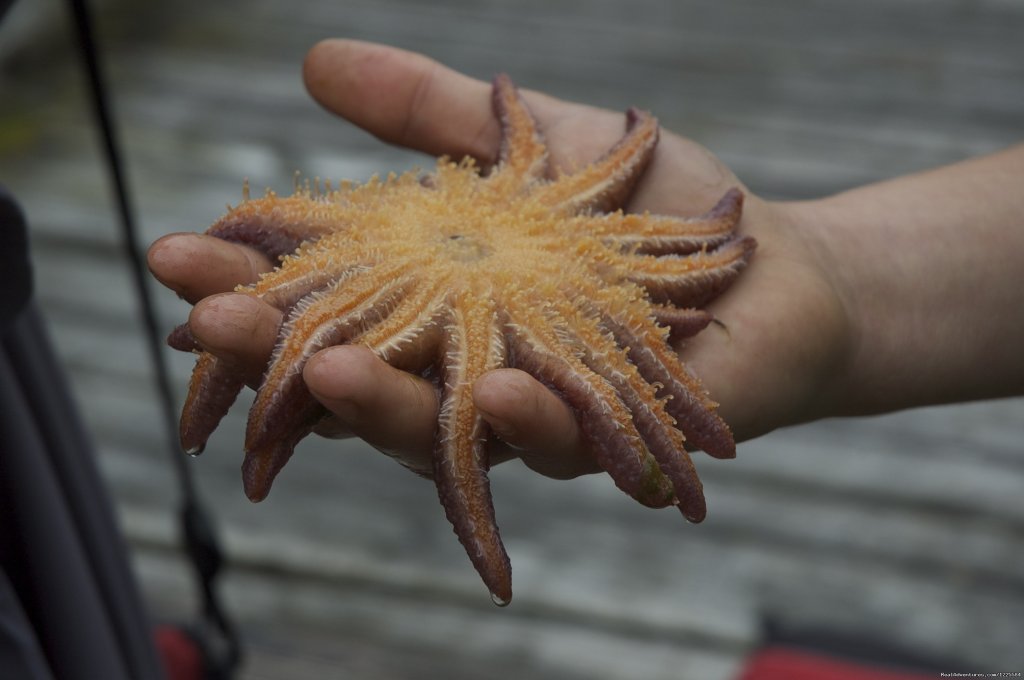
(394,411)
(196,265)
(530,418)
(402,97)
(408,99)
(237,328)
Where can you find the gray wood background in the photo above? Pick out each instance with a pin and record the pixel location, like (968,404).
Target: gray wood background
(908,527)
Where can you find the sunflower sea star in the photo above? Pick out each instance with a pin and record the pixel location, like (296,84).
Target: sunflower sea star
(458,272)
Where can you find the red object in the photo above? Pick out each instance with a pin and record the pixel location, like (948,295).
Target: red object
(793,664)
(182,658)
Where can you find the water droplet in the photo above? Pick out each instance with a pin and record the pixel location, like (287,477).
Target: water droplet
(498,600)
(194,451)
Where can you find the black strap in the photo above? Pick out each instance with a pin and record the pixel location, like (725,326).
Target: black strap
(201,544)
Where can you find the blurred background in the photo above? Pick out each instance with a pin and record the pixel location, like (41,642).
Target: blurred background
(906,529)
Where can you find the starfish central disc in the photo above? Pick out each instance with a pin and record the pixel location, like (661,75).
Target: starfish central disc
(462,248)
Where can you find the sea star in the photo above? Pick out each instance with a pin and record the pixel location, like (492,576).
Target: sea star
(458,272)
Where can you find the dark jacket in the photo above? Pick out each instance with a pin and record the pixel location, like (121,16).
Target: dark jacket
(69,606)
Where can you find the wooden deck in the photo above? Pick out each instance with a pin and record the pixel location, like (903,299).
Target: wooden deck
(908,527)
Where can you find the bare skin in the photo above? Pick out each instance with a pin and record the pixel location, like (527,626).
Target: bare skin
(890,296)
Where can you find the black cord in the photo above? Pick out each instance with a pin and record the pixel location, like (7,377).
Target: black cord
(200,540)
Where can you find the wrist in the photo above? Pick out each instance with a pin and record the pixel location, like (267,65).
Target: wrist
(810,230)
(926,268)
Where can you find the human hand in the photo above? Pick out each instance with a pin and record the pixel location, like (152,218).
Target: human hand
(768,360)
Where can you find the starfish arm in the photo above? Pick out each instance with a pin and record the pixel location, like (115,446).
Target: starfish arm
(658,363)
(264,461)
(522,154)
(409,337)
(663,234)
(277,226)
(472,345)
(681,323)
(212,390)
(301,276)
(284,411)
(181,339)
(604,420)
(606,184)
(688,280)
(655,426)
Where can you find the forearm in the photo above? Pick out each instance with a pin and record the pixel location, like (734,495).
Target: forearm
(930,271)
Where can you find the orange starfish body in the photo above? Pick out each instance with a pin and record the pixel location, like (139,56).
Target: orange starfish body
(460,272)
